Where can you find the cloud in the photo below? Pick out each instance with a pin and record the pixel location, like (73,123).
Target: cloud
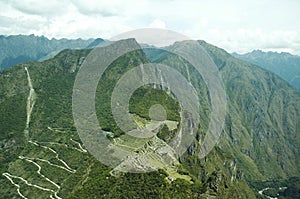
(21,24)
(157,23)
(93,7)
(36,7)
(6,21)
(245,40)
(234,26)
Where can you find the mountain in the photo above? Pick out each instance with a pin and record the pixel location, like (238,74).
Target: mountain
(16,49)
(285,65)
(95,43)
(41,154)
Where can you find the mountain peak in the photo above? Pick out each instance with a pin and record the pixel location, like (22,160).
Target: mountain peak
(15,49)
(284,64)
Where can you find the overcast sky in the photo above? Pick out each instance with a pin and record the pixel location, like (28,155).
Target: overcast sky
(239,26)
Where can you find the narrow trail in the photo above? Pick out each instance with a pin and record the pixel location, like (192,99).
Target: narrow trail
(56,130)
(261,192)
(30,104)
(39,170)
(67,167)
(39,173)
(48,162)
(80,149)
(54,193)
(7,175)
(80,146)
(31,100)
(54,143)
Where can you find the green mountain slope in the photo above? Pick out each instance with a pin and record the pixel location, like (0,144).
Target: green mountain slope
(260,132)
(285,65)
(260,141)
(21,48)
(268,110)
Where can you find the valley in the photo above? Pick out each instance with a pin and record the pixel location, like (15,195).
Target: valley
(42,155)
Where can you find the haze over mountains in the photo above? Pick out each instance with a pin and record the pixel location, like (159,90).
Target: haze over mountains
(285,65)
(16,49)
(258,150)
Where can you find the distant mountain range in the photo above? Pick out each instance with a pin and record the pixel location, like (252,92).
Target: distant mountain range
(17,49)
(285,65)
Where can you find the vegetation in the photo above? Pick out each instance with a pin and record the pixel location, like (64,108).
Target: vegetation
(260,142)
(285,65)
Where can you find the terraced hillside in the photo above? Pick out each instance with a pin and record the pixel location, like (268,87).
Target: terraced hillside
(42,156)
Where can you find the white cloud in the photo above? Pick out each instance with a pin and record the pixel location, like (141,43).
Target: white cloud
(157,23)
(235,26)
(36,7)
(245,40)
(94,7)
